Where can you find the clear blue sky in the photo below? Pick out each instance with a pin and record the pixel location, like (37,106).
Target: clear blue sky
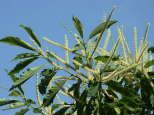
(46,16)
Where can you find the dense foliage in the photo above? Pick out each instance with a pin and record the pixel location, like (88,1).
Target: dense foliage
(94,81)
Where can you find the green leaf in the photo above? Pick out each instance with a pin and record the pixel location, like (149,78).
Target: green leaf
(54,107)
(48,73)
(104,59)
(15,105)
(31,33)
(75,88)
(149,63)
(93,90)
(77,47)
(22,111)
(151,49)
(102,27)
(152,100)
(37,110)
(21,65)
(78,25)
(29,102)
(16,42)
(62,111)
(27,75)
(15,93)
(84,96)
(25,55)
(7,101)
(49,97)
(124,91)
(14,78)
(78,59)
(151,74)
(117,109)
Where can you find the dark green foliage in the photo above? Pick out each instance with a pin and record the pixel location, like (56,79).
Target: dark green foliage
(78,25)
(37,110)
(17,42)
(49,97)
(31,33)
(101,28)
(7,101)
(151,49)
(21,65)
(78,59)
(25,55)
(22,111)
(47,76)
(76,89)
(25,76)
(61,111)
(106,58)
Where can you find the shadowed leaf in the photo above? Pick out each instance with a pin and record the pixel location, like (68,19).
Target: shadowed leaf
(151,49)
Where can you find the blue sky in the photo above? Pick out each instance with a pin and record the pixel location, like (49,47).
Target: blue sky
(46,17)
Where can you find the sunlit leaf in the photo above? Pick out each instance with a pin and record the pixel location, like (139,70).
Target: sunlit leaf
(21,65)
(149,63)
(7,101)
(16,42)
(22,111)
(101,28)
(15,93)
(78,25)
(14,105)
(31,33)
(117,109)
(25,76)
(49,97)
(24,55)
